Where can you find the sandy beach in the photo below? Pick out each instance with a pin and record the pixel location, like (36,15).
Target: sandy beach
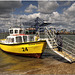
(48,66)
(53,68)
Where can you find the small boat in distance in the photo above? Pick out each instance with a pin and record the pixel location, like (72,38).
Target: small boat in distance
(22,44)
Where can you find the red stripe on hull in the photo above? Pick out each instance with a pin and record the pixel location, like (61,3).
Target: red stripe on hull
(36,55)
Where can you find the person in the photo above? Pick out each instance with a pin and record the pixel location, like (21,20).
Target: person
(37,37)
(59,42)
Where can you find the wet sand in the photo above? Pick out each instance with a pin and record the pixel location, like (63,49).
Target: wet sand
(49,64)
(58,68)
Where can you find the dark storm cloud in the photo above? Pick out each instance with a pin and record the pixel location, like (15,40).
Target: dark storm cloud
(7,6)
(47,7)
(5,15)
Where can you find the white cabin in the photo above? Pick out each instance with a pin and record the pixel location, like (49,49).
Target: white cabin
(19,39)
(13,31)
(17,36)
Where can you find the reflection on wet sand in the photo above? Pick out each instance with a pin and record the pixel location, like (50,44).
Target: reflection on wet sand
(49,64)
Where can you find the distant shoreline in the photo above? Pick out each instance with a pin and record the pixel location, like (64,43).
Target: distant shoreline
(65,34)
(42,33)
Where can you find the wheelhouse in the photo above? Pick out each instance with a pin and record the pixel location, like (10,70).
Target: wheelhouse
(13,31)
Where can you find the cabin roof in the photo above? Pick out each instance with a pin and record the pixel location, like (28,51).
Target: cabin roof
(17,28)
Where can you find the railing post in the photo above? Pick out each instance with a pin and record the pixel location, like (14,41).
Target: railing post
(67,46)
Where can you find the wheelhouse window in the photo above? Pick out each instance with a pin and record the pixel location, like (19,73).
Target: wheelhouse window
(11,31)
(16,31)
(21,31)
(26,32)
(19,39)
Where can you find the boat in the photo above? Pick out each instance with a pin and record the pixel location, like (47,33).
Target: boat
(19,43)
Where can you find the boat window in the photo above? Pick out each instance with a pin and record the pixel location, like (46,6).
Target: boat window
(10,39)
(27,32)
(25,38)
(16,31)
(21,31)
(11,31)
(19,39)
(30,31)
(31,38)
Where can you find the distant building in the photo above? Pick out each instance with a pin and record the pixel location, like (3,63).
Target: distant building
(63,30)
(58,31)
(30,31)
(72,31)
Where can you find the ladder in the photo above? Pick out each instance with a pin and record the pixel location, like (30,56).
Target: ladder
(52,43)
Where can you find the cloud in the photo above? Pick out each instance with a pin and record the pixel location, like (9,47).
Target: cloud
(59,21)
(32,16)
(7,6)
(66,19)
(29,17)
(47,7)
(70,12)
(28,11)
(65,3)
(30,8)
(47,13)
(5,15)
(69,15)
(5,12)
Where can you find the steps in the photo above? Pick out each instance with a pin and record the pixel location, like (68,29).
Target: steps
(68,55)
(65,55)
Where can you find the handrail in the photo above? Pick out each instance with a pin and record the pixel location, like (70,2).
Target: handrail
(63,47)
(70,47)
(48,31)
(68,55)
(67,50)
(49,37)
(52,36)
(69,39)
(69,43)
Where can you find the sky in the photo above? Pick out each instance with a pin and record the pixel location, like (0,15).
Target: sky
(60,13)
